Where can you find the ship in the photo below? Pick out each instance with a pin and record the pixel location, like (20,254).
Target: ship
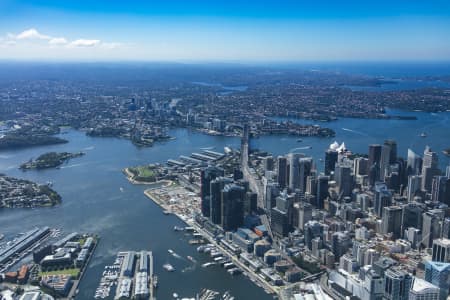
(423,134)
(168,267)
(171,251)
(178,228)
(191,258)
(155,281)
(299,140)
(205,265)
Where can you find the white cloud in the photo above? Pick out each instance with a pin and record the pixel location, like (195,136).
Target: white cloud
(32,34)
(58,41)
(111,45)
(84,43)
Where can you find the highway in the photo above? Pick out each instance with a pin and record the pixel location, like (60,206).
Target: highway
(254,183)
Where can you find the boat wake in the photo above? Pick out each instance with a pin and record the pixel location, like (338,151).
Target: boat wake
(354,131)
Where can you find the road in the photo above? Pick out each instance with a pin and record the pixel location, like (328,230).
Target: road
(255,184)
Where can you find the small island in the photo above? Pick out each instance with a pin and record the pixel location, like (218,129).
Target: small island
(49,160)
(16,193)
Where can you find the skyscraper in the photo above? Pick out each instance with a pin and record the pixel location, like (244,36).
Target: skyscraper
(430,168)
(431,226)
(216,187)
(322,191)
(441,250)
(414,186)
(344,179)
(232,206)
(304,214)
(305,167)
(397,284)
(423,290)
(414,163)
(282,171)
(374,156)
(440,189)
(206,176)
(294,170)
(331,158)
(382,199)
(392,221)
(438,273)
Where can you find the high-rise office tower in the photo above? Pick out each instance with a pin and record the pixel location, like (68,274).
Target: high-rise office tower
(216,187)
(392,221)
(361,165)
(438,273)
(441,250)
(206,176)
(304,214)
(392,144)
(414,163)
(412,216)
(431,226)
(331,158)
(268,163)
(344,179)
(440,189)
(282,171)
(383,198)
(232,206)
(430,168)
(397,284)
(414,186)
(272,191)
(322,191)
(374,155)
(447,172)
(305,167)
(294,170)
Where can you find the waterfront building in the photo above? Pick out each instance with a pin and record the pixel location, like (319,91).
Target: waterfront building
(232,207)
(206,176)
(215,198)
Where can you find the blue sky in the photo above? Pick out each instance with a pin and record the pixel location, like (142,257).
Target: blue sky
(230,30)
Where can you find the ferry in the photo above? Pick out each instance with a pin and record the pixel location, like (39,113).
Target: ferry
(178,228)
(171,251)
(168,267)
(205,265)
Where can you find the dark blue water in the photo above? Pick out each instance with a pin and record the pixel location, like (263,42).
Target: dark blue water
(92,200)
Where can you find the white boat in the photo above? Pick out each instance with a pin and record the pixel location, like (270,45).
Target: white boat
(168,267)
(175,295)
(423,134)
(171,251)
(205,265)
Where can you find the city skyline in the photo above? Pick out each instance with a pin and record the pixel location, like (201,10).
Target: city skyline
(264,31)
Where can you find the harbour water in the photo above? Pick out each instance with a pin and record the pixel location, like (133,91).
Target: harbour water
(97,198)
